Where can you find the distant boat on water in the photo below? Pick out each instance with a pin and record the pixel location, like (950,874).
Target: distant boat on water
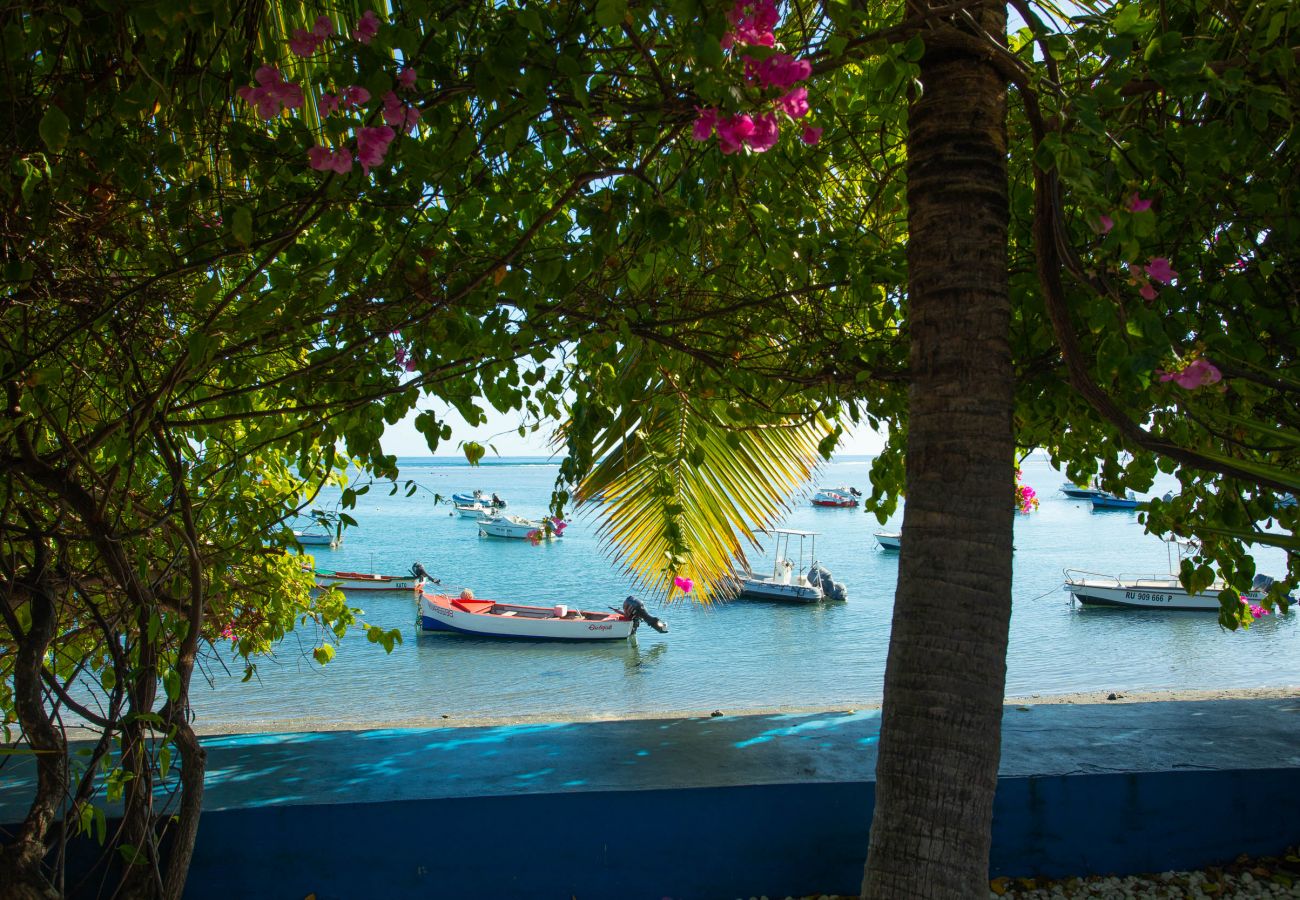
(836,497)
(481,497)
(1078,492)
(510,526)
(889,540)
(316,538)
(1110,501)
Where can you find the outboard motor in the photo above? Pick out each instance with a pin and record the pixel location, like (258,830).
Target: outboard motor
(497,502)
(418,572)
(855,492)
(635,610)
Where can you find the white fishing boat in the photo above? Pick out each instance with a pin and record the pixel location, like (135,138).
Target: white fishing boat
(316,538)
(804,581)
(1160,591)
(362,581)
(511,526)
(889,540)
(489,618)
(475,510)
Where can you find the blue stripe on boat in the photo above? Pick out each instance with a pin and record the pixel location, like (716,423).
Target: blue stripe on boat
(429,623)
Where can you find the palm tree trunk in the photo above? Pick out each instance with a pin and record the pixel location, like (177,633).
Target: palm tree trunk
(946,672)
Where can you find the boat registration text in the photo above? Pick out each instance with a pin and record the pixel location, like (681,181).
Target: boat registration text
(1145,597)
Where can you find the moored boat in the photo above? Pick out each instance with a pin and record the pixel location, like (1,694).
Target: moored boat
(1110,501)
(362,581)
(836,497)
(476,510)
(1151,591)
(316,538)
(1078,492)
(489,618)
(511,526)
(889,540)
(789,580)
(483,497)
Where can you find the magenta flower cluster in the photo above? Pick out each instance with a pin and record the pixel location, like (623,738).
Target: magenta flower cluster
(683,584)
(272,94)
(1256,611)
(1157,269)
(1197,373)
(752,23)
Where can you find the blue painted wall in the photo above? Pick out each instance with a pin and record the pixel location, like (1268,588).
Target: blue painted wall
(717,843)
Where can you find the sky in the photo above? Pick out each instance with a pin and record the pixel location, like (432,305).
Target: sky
(501,436)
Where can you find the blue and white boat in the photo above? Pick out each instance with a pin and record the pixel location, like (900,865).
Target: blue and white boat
(1078,492)
(481,497)
(1110,501)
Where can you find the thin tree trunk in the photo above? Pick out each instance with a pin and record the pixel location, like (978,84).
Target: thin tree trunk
(20,861)
(946,672)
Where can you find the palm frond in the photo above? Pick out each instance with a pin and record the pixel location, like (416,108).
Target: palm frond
(687,486)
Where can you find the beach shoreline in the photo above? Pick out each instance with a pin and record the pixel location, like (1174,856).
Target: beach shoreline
(316,723)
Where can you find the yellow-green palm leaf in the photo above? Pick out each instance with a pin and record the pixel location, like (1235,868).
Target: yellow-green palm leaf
(686,487)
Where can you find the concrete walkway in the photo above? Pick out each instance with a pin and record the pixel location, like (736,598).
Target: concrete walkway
(257,770)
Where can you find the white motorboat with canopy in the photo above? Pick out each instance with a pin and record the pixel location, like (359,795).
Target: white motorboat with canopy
(804,581)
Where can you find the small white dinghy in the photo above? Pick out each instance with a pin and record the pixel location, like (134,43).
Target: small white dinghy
(889,540)
(489,618)
(361,581)
(474,510)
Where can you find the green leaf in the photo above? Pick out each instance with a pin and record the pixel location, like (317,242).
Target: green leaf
(54,129)
(474,452)
(241,225)
(610,13)
(324,653)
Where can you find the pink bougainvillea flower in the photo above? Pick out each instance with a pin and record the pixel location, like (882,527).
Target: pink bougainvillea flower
(372,145)
(781,70)
(1137,204)
(229,632)
(367,27)
(355,96)
(752,23)
(534,537)
(559,525)
(795,103)
(1147,291)
(1198,373)
(303,42)
(272,93)
(1159,269)
(1257,611)
(327,104)
(683,584)
(767,131)
(322,28)
(705,119)
(406,78)
(398,114)
(733,130)
(322,159)
(1106,223)
(811,134)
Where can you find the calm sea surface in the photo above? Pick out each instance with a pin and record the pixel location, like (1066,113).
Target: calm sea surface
(733,656)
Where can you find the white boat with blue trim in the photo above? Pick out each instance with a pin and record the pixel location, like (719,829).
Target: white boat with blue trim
(467,614)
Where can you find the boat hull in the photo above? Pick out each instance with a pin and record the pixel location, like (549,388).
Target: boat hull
(439,612)
(1081,493)
(759,587)
(889,540)
(1144,593)
(1113,503)
(501,526)
(356,581)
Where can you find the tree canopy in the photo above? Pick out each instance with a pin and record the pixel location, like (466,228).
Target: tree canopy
(240,239)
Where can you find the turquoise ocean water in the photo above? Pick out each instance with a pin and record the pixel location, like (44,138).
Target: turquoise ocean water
(732,656)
